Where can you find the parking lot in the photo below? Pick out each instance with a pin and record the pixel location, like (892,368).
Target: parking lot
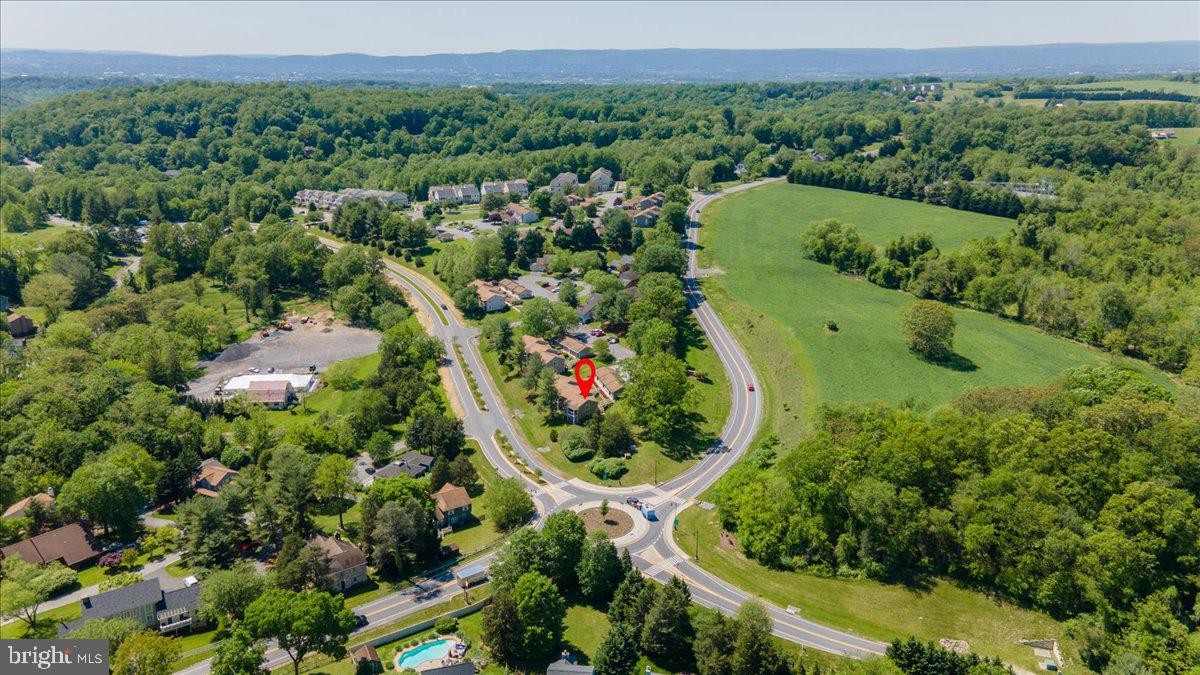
(320,343)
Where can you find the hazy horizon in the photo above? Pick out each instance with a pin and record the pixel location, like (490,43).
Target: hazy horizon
(420,28)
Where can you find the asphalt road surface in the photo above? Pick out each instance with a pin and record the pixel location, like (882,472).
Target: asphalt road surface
(653,547)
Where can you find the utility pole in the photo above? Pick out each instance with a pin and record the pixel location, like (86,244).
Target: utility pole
(696,545)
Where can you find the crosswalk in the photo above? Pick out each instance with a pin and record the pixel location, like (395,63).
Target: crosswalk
(664,565)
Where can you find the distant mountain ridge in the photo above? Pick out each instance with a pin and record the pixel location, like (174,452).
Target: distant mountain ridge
(634,66)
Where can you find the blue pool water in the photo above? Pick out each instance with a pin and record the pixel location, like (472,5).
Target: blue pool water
(430,651)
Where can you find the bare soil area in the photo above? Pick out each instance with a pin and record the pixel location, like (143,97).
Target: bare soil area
(616,524)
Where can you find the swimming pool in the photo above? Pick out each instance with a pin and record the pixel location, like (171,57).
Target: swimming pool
(430,651)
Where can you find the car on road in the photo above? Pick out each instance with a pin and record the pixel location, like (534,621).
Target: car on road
(271,369)
(444,306)
(750,387)
(361,620)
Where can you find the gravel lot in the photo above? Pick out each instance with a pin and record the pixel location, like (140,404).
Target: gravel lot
(320,343)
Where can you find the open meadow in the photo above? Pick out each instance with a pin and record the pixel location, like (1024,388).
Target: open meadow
(777,303)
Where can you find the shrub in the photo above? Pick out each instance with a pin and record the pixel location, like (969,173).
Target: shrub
(341,376)
(608,468)
(446,625)
(576,446)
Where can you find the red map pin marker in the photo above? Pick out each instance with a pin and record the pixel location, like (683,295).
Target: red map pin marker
(585,386)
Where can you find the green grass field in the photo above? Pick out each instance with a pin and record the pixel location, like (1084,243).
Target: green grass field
(874,610)
(1185,136)
(1189,88)
(31,240)
(776,302)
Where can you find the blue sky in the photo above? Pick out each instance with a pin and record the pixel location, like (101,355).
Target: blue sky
(427,27)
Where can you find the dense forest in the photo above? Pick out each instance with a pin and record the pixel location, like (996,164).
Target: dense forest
(1078,498)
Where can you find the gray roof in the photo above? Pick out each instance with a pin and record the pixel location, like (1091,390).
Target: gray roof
(141,594)
(122,599)
(589,306)
(413,464)
(565,666)
(187,597)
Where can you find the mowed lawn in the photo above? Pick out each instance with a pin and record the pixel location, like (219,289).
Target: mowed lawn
(777,302)
(874,610)
(1188,88)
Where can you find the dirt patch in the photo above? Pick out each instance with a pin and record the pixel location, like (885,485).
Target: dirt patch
(616,524)
(727,541)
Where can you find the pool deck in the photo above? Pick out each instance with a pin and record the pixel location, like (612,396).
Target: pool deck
(437,662)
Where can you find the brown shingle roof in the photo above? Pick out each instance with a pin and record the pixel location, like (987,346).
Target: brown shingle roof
(72,544)
(342,554)
(452,497)
(18,510)
(364,652)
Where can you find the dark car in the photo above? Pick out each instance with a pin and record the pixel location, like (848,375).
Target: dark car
(360,620)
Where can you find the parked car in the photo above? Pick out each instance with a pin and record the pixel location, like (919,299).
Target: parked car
(255,370)
(271,369)
(612,341)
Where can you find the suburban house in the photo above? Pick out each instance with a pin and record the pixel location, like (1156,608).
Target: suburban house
(364,657)
(413,464)
(574,200)
(588,308)
(72,545)
(213,476)
(575,347)
(19,325)
(609,383)
(467,193)
(567,666)
(490,297)
(564,181)
(1162,134)
(551,357)
(326,200)
(274,394)
(329,201)
(21,508)
(646,217)
(146,603)
(522,214)
(347,563)
(452,505)
(515,289)
(445,237)
(574,407)
(628,278)
(519,187)
(540,264)
(385,197)
(601,179)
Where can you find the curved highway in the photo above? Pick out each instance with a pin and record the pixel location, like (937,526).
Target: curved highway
(651,544)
